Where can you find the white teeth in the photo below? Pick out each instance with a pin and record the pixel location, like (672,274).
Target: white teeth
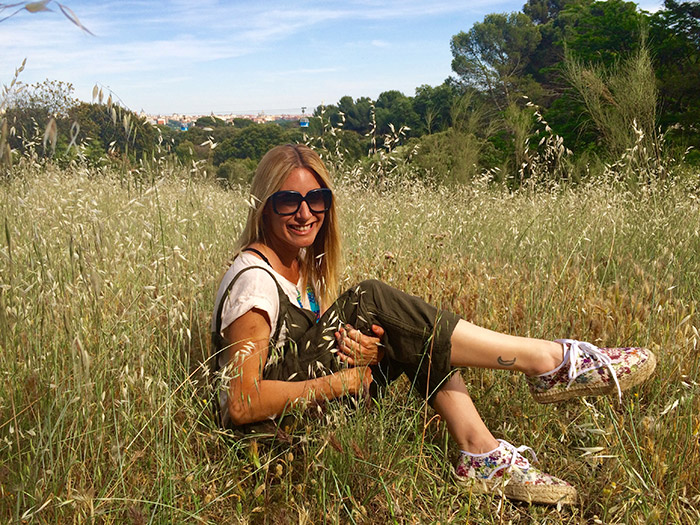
(301,228)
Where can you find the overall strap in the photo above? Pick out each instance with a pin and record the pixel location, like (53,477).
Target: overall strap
(258,252)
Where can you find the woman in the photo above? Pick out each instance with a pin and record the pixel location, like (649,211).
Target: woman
(282,337)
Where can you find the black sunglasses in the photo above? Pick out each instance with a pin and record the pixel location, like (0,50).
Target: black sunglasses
(289,202)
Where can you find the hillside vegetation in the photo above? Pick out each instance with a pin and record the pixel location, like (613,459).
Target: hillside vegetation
(596,79)
(107,282)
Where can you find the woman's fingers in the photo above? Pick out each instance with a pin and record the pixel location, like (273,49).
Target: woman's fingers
(360,338)
(356,348)
(378,330)
(345,351)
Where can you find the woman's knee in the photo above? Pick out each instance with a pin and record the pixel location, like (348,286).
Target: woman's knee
(373,286)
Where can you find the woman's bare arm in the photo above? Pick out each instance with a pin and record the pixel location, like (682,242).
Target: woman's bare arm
(252,398)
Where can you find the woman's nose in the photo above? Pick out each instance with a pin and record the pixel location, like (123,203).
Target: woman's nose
(304,212)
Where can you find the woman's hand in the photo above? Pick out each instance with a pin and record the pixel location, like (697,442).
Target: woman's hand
(357,380)
(358,349)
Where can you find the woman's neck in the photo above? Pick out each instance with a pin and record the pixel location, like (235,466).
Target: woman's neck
(284,262)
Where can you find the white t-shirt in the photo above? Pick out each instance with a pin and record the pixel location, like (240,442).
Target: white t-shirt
(257,289)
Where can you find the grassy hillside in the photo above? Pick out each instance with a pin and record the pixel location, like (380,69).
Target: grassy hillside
(106,287)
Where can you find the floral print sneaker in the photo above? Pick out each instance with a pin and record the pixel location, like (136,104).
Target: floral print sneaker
(589,370)
(506,470)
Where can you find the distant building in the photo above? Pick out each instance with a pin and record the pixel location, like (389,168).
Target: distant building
(183,122)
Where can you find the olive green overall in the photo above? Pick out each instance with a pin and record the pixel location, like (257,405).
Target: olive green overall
(416,337)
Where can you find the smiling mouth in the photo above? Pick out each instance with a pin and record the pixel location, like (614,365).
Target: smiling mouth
(301,229)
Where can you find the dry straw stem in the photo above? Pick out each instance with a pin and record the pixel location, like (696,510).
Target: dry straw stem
(7,92)
(41,6)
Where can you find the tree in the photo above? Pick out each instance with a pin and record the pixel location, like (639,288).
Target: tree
(39,110)
(618,102)
(54,97)
(116,130)
(493,55)
(674,37)
(210,122)
(253,142)
(601,37)
(545,11)
(602,32)
(433,106)
(545,59)
(358,114)
(395,109)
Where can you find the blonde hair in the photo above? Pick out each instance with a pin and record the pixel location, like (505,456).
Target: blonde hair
(320,265)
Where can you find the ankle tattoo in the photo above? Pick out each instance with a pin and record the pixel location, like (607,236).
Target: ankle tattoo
(506,362)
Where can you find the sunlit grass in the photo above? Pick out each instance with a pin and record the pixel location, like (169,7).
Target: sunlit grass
(106,287)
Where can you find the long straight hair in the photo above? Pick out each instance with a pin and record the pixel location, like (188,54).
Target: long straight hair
(319,267)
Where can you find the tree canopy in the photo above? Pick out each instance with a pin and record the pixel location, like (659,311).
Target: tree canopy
(493,55)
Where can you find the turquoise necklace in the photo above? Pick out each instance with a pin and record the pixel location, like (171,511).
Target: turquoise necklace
(313,303)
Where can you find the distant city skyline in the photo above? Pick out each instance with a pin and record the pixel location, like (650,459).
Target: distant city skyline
(242,57)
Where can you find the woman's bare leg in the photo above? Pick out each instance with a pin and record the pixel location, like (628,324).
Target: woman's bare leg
(473,346)
(464,423)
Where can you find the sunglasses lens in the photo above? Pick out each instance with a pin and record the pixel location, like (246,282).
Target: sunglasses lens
(319,200)
(287,203)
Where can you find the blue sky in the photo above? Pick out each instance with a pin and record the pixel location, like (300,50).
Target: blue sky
(242,56)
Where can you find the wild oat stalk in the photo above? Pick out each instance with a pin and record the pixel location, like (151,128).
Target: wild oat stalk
(41,6)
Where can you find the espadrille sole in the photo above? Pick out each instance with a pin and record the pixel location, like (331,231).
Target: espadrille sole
(530,493)
(626,381)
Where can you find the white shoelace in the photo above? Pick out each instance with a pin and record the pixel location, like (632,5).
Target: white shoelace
(581,349)
(515,452)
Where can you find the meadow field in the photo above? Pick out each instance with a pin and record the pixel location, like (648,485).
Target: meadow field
(106,288)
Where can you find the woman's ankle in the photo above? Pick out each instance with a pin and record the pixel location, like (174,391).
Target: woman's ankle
(550,358)
(478,445)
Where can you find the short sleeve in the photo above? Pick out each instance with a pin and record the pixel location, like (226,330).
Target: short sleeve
(254,288)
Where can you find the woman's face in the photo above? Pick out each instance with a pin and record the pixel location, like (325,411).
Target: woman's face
(293,232)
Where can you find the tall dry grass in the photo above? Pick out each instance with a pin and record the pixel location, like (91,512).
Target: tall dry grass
(619,101)
(106,287)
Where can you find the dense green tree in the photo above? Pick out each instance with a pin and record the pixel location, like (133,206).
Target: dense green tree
(236,171)
(542,12)
(199,134)
(602,32)
(39,110)
(544,61)
(675,40)
(114,129)
(433,106)
(54,97)
(396,109)
(210,121)
(599,36)
(242,122)
(253,142)
(326,115)
(493,56)
(358,114)
(352,115)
